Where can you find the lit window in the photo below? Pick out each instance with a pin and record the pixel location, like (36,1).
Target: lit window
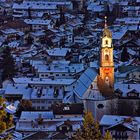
(106,57)
(66,108)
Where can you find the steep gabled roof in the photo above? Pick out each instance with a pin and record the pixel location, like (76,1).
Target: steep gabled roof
(84,82)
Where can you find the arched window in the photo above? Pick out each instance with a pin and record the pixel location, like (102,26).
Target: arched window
(106,57)
(106,42)
(107,80)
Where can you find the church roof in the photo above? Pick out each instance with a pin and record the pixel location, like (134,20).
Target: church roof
(84,82)
(107,32)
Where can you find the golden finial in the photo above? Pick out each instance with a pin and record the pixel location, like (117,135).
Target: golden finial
(105,21)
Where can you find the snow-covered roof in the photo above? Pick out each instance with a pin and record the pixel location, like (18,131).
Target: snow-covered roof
(73,68)
(37,21)
(34,5)
(49,124)
(126,88)
(75,23)
(84,82)
(119,33)
(30,115)
(18,89)
(51,5)
(94,64)
(129,20)
(38,33)
(58,51)
(124,3)
(9,31)
(11,109)
(48,93)
(95,7)
(13,44)
(113,120)
(40,81)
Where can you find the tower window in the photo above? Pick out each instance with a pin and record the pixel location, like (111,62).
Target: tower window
(107,80)
(106,42)
(106,57)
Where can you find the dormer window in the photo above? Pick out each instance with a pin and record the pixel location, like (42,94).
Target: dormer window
(106,42)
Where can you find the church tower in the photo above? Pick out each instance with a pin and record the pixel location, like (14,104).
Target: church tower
(106,57)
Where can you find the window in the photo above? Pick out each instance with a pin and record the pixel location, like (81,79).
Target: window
(33,101)
(42,107)
(42,101)
(50,102)
(38,107)
(38,101)
(106,57)
(66,108)
(106,42)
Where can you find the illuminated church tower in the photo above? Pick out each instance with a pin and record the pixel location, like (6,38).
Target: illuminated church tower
(106,57)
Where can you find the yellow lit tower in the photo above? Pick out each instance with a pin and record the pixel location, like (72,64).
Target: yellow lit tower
(106,57)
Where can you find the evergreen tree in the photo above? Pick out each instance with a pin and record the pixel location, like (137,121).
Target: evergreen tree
(62,16)
(90,129)
(57,23)
(24,105)
(107,136)
(124,55)
(86,15)
(138,109)
(75,5)
(8,64)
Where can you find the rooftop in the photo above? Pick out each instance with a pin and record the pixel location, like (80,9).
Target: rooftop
(41,81)
(37,21)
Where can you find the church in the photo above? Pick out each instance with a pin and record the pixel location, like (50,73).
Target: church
(99,83)
(95,87)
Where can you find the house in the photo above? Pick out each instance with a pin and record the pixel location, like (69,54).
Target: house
(35,9)
(41,92)
(124,90)
(18,25)
(68,110)
(59,71)
(96,9)
(121,127)
(11,34)
(38,36)
(47,122)
(17,92)
(129,74)
(38,24)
